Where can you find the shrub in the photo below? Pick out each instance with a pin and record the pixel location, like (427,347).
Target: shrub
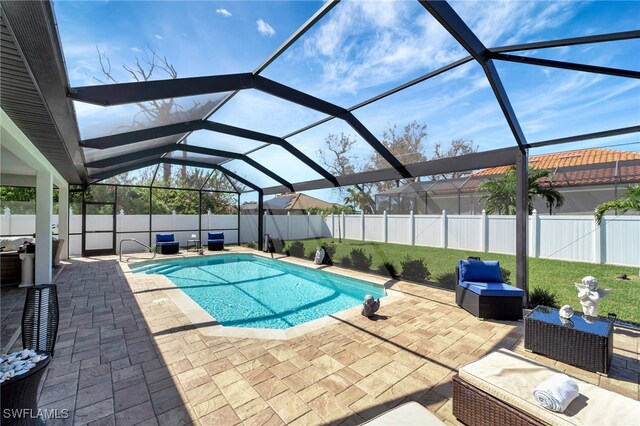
(448,280)
(388,268)
(414,270)
(278,245)
(296,249)
(544,297)
(346,262)
(360,261)
(330,249)
(506,274)
(252,245)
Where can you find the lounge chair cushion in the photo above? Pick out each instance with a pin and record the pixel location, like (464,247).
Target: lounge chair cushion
(512,378)
(492,289)
(409,414)
(13,243)
(480,271)
(214,237)
(164,238)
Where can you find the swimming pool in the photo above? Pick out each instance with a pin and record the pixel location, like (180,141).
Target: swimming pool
(242,290)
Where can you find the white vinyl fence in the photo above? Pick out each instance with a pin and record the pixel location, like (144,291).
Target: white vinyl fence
(286,227)
(575,238)
(290,227)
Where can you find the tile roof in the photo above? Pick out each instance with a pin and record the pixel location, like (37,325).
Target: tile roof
(568,159)
(293,201)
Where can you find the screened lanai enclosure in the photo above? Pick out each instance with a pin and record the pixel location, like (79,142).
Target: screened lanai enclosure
(179,131)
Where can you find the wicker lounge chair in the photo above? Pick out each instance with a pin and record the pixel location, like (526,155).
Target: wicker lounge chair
(498,390)
(408,414)
(482,292)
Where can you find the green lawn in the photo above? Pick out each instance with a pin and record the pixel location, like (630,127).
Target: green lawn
(554,275)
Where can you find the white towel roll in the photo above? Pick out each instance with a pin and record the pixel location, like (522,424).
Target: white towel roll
(556,393)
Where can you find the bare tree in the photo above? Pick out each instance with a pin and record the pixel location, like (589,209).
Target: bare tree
(456,148)
(406,145)
(154,112)
(339,159)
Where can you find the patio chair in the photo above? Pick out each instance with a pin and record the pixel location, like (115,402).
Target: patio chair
(482,292)
(166,244)
(215,242)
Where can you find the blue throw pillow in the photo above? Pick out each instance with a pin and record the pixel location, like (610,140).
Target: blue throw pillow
(219,236)
(164,238)
(480,271)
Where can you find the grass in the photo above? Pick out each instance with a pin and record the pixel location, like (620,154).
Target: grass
(554,275)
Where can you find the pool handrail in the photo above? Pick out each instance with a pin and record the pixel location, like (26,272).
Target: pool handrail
(152,250)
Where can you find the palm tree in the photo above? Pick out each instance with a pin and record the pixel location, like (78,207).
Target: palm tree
(629,201)
(549,194)
(334,209)
(501,197)
(359,198)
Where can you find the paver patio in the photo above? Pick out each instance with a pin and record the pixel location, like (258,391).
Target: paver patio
(130,357)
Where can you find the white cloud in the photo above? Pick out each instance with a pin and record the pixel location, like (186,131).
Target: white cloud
(158,36)
(367,44)
(509,22)
(224,12)
(264,28)
(136,49)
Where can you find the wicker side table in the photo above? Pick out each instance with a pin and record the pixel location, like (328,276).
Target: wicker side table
(20,395)
(584,343)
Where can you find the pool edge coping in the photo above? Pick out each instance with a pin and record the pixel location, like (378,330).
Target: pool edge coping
(197,315)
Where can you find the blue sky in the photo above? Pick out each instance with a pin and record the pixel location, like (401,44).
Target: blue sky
(361,49)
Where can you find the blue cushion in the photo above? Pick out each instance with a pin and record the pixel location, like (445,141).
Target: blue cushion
(492,289)
(168,243)
(213,236)
(480,271)
(164,238)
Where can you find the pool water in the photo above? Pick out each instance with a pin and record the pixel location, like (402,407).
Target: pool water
(249,291)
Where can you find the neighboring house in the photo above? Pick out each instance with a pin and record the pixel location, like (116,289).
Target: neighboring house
(586,178)
(287,203)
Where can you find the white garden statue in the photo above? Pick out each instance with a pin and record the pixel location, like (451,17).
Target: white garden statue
(319,258)
(590,295)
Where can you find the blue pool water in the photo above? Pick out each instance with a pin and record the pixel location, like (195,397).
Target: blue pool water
(249,291)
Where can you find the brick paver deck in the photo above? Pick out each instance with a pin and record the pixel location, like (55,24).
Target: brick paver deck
(129,357)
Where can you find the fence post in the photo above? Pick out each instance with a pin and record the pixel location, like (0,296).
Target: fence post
(443,229)
(599,241)
(484,232)
(264,224)
(534,248)
(308,225)
(412,227)
(333,225)
(288,227)
(362,225)
(173,220)
(120,221)
(7,222)
(385,227)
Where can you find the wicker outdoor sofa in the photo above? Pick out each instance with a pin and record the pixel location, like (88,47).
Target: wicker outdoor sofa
(498,390)
(10,263)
